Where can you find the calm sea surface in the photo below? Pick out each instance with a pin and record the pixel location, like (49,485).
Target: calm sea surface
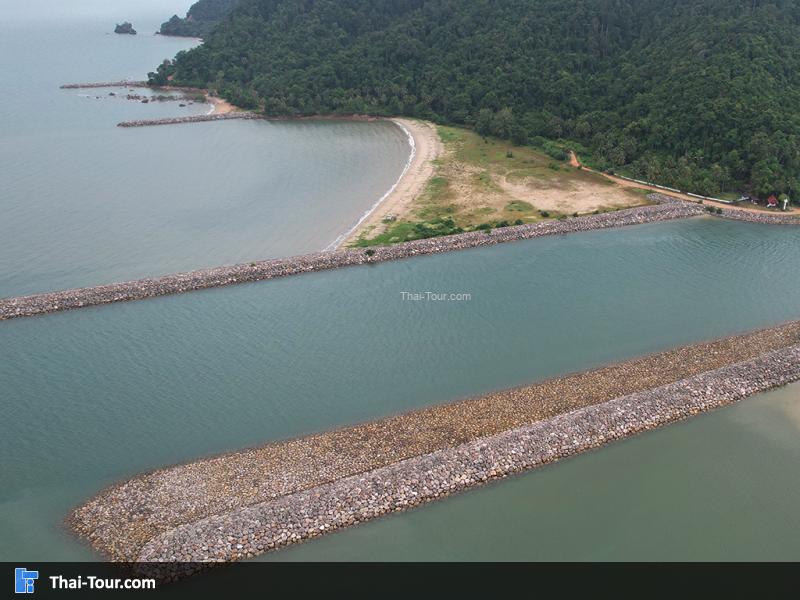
(723,486)
(96,395)
(83,202)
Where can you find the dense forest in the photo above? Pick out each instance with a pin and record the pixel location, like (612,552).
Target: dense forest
(202,17)
(699,94)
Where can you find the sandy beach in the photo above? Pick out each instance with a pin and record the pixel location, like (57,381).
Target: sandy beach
(220,106)
(427,147)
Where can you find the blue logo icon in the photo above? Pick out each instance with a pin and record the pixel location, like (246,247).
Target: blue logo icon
(24,579)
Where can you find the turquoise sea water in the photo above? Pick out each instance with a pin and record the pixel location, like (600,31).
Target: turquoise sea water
(84,202)
(99,394)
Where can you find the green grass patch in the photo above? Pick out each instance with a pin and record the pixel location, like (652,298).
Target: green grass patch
(451,135)
(406,232)
(519,206)
(477,168)
(730,196)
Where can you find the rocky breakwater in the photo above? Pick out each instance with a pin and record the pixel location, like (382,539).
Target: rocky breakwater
(247,116)
(256,529)
(738,214)
(240,504)
(253,530)
(753,216)
(107,84)
(24,306)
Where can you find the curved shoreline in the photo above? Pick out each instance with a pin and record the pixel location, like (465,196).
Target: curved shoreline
(352,232)
(39,304)
(426,147)
(244,503)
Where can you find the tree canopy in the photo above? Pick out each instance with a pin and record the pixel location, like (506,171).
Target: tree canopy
(203,15)
(699,94)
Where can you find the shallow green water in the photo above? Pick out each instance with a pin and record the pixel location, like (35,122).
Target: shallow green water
(723,486)
(96,395)
(84,202)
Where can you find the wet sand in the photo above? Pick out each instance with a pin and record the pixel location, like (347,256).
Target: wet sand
(399,201)
(220,106)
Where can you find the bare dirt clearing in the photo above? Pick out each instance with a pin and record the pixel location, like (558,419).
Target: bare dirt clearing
(478,182)
(574,161)
(571,195)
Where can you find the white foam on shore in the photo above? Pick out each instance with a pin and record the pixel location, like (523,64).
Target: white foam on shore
(334,245)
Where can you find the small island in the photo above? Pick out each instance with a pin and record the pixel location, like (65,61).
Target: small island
(126,27)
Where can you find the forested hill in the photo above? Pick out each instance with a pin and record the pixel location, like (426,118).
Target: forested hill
(699,94)
(201,18)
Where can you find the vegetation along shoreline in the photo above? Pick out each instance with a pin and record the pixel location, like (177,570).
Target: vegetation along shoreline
(698,96)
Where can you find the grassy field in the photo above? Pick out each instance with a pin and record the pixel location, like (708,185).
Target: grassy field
(482,183)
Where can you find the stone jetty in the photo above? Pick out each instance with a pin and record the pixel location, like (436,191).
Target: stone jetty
(247,116)
(256,529)
(25,306)
(242,504)
(767,218)
(107,84)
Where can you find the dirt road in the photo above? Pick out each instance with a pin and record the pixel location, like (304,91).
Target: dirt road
(573,161)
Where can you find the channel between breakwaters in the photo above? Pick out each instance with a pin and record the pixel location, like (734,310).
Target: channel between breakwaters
(241,504)
(38,304)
